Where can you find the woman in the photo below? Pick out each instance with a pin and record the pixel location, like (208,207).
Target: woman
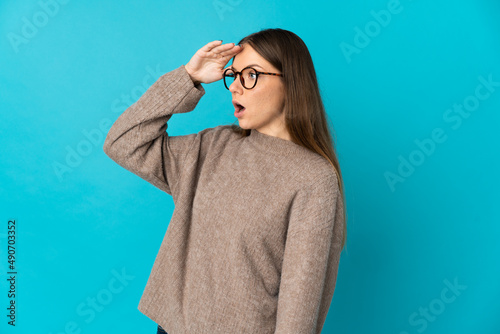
(255,238)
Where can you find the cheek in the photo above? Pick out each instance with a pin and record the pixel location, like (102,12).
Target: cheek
(268,97)
(275,101)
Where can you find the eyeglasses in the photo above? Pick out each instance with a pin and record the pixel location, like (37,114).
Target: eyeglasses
(248,77)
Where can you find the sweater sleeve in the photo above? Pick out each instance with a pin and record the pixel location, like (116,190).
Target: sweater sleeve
(138,140)
(311,259)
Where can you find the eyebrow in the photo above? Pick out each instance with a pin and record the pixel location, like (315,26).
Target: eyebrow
(248,66)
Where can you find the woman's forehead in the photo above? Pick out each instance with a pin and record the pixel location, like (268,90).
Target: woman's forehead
(248,57)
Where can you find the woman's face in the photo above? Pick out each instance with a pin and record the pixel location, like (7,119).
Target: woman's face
(265,102)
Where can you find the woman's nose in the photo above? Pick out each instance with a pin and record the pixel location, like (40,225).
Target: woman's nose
(235,86)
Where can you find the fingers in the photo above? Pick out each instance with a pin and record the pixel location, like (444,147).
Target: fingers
(222,48)
(222,51)
(232,51)
(210,46)
(218,47)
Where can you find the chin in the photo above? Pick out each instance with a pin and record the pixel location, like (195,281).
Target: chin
(242,124)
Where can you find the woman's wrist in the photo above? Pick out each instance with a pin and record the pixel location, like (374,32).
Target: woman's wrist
(188,70)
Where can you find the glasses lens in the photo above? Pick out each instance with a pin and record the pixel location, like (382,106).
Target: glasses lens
(228,78)
(249,77)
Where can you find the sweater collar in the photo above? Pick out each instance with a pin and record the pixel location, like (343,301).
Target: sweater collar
(274,145)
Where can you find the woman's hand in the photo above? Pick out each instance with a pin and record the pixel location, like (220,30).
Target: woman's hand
(207,64)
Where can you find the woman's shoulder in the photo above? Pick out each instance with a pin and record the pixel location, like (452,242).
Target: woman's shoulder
(220,133)
(305,167)
(320,171)
(219,130)
(312,167)
(216,138)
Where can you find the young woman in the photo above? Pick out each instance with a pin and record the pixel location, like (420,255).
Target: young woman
(254,242)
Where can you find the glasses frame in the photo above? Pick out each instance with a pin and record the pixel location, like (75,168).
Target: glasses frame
(241,80)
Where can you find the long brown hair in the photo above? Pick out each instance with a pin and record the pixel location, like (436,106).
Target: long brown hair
(305,116)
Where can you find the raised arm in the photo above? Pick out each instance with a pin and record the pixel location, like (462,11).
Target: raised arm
(138,140)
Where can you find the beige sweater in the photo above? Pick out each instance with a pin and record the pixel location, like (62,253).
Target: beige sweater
(253,245)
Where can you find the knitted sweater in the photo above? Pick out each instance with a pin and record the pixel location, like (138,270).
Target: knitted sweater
(254,241)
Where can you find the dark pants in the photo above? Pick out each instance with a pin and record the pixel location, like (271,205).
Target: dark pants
(161,330)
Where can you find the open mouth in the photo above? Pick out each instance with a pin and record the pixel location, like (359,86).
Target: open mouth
(238,107)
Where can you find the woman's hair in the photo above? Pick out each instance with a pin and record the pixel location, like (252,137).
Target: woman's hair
(305,116)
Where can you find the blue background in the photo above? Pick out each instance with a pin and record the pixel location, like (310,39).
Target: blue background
(437,226)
